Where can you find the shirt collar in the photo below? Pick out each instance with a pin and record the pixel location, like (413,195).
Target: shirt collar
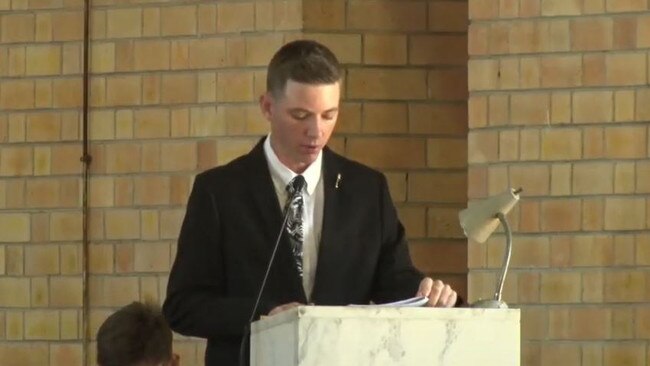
(285,175)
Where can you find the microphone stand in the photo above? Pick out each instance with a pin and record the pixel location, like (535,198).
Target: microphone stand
(247,327)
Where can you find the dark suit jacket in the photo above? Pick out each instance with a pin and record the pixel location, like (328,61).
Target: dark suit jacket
(233,218)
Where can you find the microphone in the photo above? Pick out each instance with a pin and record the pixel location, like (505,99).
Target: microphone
(300,185)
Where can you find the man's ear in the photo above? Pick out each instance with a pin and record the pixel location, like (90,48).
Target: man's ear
(266,105)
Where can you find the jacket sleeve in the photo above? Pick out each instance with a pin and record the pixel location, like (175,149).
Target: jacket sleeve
(395,277)
(197,302)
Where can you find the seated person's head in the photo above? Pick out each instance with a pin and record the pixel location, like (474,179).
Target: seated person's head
(135,335)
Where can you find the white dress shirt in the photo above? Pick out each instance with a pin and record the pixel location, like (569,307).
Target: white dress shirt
(313,196)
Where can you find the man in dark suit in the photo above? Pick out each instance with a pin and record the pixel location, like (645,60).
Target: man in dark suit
(343,242)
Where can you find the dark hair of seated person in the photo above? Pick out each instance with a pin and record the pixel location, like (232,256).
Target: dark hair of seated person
(135,335)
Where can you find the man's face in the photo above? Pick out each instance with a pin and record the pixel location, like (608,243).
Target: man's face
(302,121)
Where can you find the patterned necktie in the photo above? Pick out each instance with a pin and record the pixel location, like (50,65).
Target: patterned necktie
(295,206)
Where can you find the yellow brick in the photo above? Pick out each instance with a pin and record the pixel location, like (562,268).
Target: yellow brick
(446,153)
(42,325)
(71,59)
(70,259)
(207,92)
(561,215)
(534,178)
(66,354)
(387,84)
(385,49)
(591,34)
(39,292)
(207,19)
(151,123)
(624,106)
(624,286)
(101,258)
(124,23)
(561,71)
(483,74)
(152,257)
(113,291)
(508,145)
(207,53)
(235,17)
(616,6)
(41,259)
(235,86)
(482,146)
(388,152)
(179,88)
(178,20)
(43,27)
(150,22)
(122,158)
(626,142)
(14,227)
(101,125)
(151,157)
(593,178)
(149,224)
(560,179)
(16,61)
(16,94)
(123,90)
(122,224)
(65,226)
(65,291)
(17,28)
(151,55)
(27,354)
(69,324)
(385,118)
(561,144)
(448,16)
(522,37)
(178,156)
(287,15)
(560,287)
(14,292)
(451,187)
(43,60)
(624,177)
(555,35)
(323,14)
(625,213)
(152,190)
(67,26)
(626,69)
(438,50)
(346,47)
(411,16)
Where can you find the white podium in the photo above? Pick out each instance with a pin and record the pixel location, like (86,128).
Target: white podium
(378,336)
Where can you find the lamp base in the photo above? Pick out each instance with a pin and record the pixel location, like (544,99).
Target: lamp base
(490,304)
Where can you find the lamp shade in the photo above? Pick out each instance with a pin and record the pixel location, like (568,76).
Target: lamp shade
(480,220)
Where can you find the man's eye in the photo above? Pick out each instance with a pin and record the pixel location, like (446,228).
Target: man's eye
(329,116)
(300,116)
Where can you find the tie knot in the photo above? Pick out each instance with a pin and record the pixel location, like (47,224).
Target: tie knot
(296,184)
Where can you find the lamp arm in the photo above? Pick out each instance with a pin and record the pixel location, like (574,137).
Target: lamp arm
(506,256)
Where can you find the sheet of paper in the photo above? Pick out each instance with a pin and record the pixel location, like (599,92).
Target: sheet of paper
(412,302)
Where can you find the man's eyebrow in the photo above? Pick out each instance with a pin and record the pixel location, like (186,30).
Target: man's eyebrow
(334,109)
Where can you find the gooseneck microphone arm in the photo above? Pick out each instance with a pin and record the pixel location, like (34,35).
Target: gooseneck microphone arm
(247,327)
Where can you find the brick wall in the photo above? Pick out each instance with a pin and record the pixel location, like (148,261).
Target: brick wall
(559,106)
(173,92)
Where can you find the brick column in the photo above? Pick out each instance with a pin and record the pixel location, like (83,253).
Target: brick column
(558,102)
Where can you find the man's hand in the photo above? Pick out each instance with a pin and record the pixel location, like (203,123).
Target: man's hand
(283,307)
(439,294)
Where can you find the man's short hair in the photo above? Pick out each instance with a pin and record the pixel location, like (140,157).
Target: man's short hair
(134,335)
(303,61)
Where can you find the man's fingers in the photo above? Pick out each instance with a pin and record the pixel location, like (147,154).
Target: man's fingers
(283,307)
(425,287)
(447,297)
(436,292)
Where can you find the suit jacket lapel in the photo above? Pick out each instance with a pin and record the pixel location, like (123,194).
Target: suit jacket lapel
(332,244)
